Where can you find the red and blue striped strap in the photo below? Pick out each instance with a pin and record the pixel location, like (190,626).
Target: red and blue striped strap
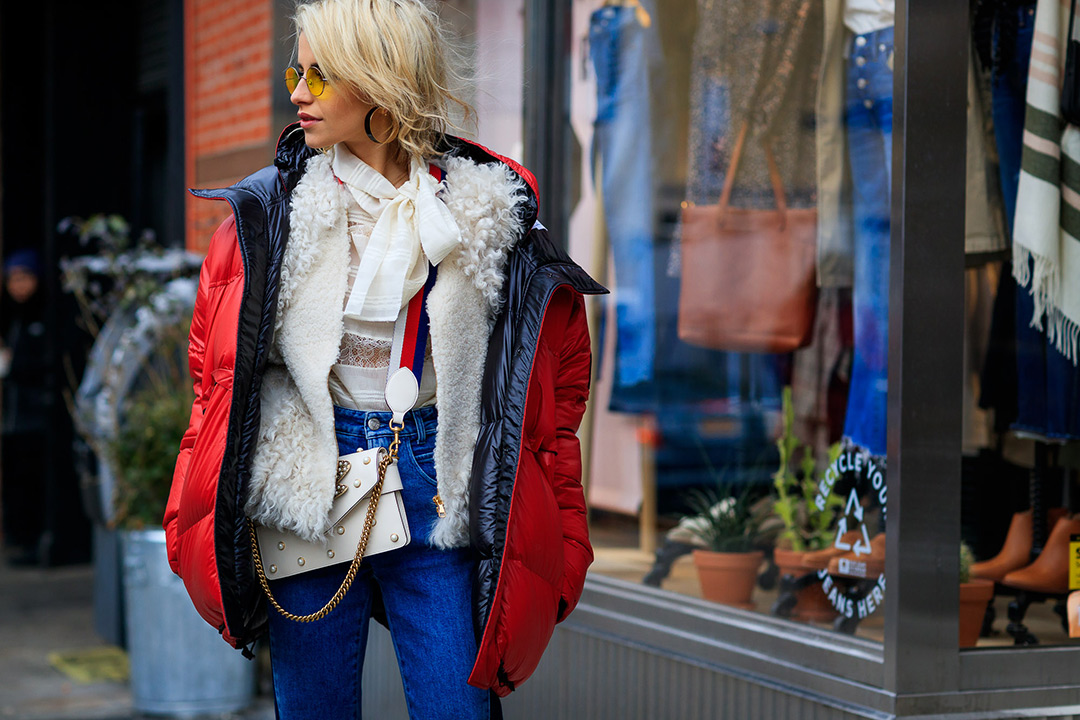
(411,330)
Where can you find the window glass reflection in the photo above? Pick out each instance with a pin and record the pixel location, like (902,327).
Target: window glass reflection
(1020,441)
(739,211)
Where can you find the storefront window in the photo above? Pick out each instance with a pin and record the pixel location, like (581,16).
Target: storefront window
(737,203)
(489,37)
(1022,388)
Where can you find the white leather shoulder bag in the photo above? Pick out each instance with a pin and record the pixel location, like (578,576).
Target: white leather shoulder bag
(367,517)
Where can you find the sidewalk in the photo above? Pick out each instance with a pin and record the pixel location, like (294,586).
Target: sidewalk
(44,611)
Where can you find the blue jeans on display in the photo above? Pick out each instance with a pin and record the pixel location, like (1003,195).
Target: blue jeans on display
(427,594)
(1047,384)
(622,52)
(1009,98)
(868,114)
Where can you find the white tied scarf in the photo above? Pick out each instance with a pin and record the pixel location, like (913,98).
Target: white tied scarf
(412,227)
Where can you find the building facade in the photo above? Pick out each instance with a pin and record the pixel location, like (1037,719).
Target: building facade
(880,131)
(628,112)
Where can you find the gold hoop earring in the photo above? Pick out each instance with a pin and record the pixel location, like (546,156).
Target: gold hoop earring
(394,130)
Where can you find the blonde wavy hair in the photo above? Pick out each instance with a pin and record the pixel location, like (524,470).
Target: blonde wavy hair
(394,54)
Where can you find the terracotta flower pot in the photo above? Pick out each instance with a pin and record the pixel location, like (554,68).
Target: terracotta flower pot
(728,578)
(974,595)
(811,603)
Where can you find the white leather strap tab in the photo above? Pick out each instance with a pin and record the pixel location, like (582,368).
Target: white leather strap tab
(401,393)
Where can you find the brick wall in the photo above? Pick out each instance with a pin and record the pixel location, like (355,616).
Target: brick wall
(227,65)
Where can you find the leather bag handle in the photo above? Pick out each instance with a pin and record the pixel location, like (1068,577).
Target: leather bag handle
(774,176)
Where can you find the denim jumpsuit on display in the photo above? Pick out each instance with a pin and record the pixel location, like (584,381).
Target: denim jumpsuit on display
(868,116)
(622,52)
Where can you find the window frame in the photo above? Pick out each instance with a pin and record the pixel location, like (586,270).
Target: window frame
(919,668)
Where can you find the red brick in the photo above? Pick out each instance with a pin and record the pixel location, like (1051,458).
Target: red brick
(228,50)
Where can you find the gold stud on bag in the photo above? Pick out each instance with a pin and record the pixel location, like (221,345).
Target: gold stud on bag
(368,493)
(343,467)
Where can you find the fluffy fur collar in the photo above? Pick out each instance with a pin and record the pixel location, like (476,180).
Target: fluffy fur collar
(296,455)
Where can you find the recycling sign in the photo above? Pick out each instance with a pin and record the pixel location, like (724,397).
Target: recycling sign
(856,586)
(861,546)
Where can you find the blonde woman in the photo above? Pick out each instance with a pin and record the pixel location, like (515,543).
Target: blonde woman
(291,342)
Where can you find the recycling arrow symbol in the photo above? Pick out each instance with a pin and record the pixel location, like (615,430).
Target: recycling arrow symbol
(854,509)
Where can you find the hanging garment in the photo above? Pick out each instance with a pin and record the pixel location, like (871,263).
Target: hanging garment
(984,231)
(1046,241)
(1032,387)
(1003,36)
(868,115)
(754,60)
(819,378)
(624,53)
(751,61)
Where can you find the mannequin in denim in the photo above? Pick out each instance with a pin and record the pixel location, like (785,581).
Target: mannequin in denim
(427,594)
(623,51)
(868,113)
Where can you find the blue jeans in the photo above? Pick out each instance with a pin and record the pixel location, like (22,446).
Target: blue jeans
(1048,384)
(868,114)
(622,52)
(427,594)
(1009,98)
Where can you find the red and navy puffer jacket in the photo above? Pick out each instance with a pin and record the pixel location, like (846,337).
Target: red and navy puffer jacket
(527,509)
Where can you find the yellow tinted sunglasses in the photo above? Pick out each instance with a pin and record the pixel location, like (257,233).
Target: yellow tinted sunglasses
(314,78)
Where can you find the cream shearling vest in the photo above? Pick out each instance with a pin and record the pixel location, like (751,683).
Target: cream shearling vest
(292,481)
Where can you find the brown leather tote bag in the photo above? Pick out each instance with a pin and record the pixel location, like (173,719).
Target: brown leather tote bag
(749,279)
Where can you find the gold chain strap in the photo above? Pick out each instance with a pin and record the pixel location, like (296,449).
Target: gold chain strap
(384,462)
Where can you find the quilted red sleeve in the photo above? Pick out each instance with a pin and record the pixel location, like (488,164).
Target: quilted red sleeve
(224,237)
(571,393)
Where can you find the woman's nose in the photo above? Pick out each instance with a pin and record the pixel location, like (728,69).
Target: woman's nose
(302,94)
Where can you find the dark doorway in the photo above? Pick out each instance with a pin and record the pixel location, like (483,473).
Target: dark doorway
(91,121)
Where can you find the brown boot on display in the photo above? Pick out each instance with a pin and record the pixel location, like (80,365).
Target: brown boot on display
(861,566)
(1050,571)
(1016,552)
(819,559)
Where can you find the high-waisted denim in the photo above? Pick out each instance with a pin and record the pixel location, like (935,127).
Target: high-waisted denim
(622,52)
(868,114)
(427,594)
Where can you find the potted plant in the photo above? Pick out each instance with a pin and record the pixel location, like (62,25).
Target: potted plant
(975,593)
(144,452)
(801,526)
(179,664)
(131,407)
(116,281)
(726,525)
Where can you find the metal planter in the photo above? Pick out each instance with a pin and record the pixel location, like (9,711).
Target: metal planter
(180,666)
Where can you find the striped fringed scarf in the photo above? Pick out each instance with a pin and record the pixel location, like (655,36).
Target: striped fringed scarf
(1046,237)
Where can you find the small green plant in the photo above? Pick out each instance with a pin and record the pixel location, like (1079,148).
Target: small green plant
(967,559)
(724,520)
(143,452)
(803,525)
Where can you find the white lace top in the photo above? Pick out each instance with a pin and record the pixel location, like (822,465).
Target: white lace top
(358,380)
